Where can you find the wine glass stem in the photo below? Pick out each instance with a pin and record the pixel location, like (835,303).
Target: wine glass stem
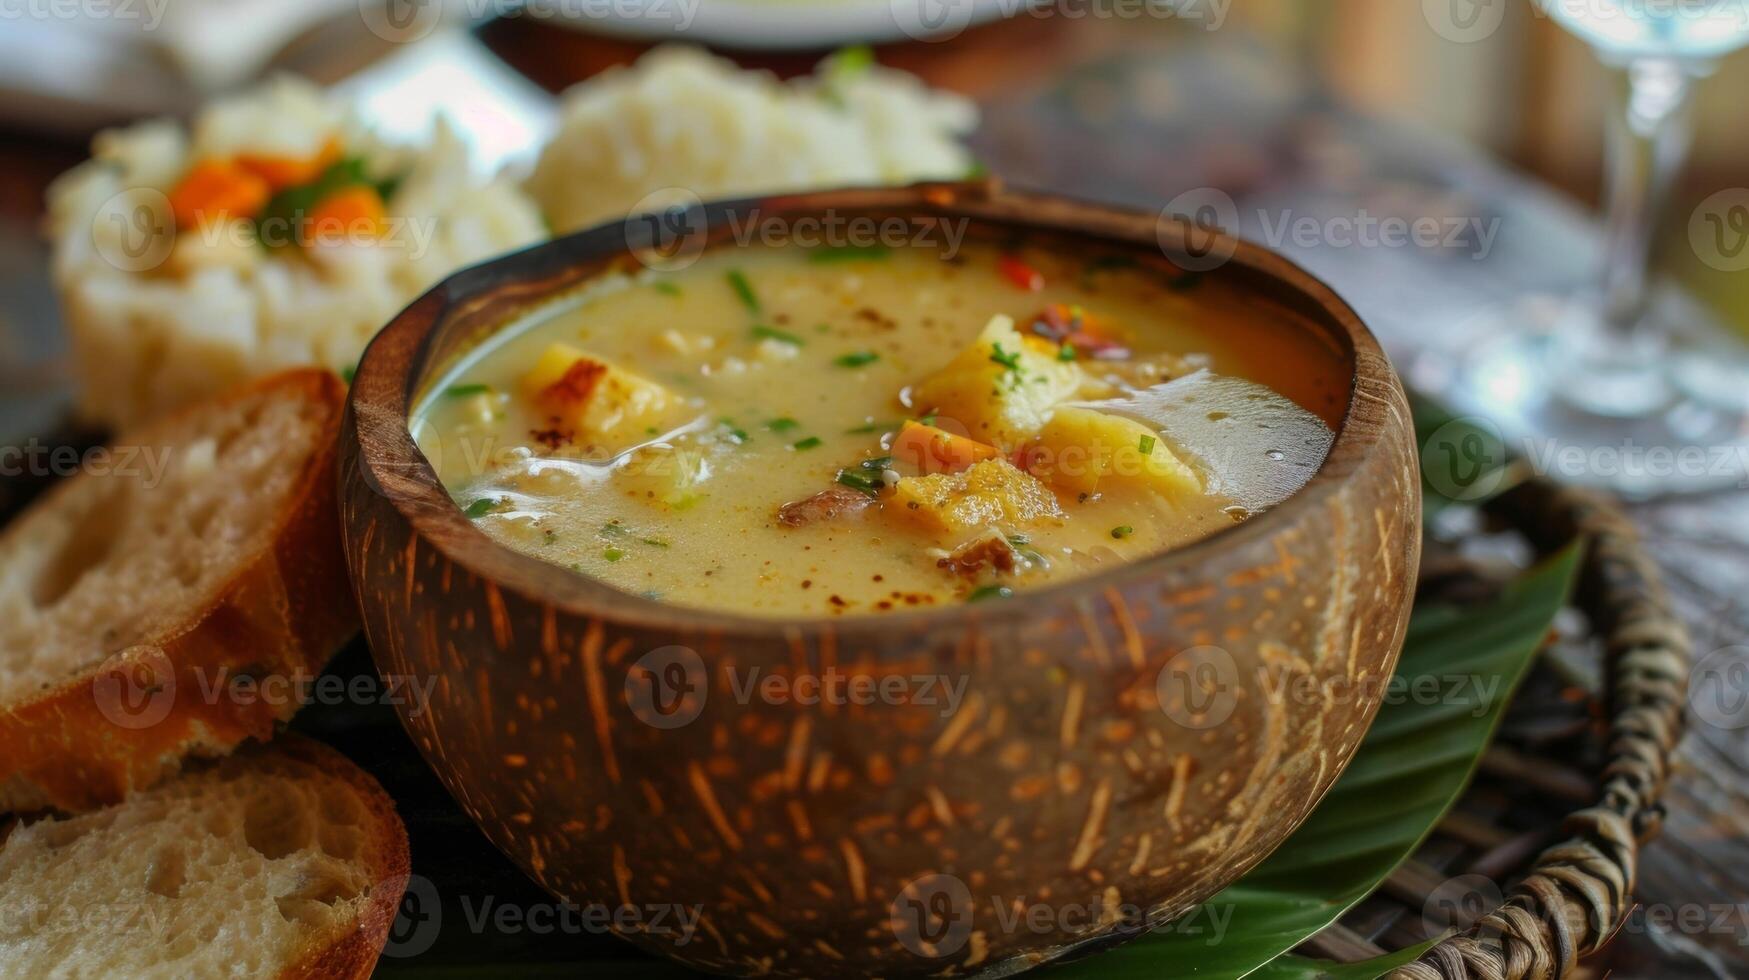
(1649,141)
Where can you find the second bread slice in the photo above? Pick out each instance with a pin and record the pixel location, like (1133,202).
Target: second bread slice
(280,861)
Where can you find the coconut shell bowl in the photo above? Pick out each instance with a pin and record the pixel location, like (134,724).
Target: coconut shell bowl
(1100,762)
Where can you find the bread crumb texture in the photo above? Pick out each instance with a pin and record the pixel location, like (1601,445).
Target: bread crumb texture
(115,560)
(247,868)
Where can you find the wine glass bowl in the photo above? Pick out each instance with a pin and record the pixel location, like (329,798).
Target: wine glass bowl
(1618,368)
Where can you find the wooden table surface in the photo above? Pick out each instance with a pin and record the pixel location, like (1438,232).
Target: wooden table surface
(1135,117)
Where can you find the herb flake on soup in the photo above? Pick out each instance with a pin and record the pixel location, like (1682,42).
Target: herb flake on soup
(776,431)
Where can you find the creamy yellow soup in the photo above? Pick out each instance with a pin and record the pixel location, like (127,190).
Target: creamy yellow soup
(781,431)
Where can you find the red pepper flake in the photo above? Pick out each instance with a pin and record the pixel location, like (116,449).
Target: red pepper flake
(1020,274)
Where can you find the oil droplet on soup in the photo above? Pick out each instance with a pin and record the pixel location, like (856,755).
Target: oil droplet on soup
(783,431)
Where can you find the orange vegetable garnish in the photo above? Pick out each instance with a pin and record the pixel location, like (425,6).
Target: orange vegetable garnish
(346,213)
(214,190)
(282,172)
(1020,274)
(934,450)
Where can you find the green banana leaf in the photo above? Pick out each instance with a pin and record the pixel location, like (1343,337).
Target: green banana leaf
(1413,765)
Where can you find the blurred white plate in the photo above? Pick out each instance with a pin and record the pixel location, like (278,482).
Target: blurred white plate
(773,25)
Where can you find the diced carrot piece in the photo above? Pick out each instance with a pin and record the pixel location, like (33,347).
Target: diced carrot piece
(214,190)
(281,172)
(1020,274)
(934,450)
(349,211)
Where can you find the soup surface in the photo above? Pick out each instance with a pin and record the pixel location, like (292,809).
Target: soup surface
(783,431)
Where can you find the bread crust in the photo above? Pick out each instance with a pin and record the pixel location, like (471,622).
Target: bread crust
(353,956)
(283,614)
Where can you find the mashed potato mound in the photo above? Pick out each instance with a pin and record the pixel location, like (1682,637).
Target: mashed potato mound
(681,121)
(158,320)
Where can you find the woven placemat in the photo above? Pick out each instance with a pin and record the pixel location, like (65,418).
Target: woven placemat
(1535,866)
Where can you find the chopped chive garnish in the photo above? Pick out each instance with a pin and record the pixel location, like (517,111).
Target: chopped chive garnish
(348,373)
(733,431)
(848,253)
(467,391)
(870,427)
(654,542)
(743,289)
(783,424)
(1066,352)
(1122,531)
(927,419)
(612,554)
(1147,445)
(1009,360)
(480,508)
(613,529)
(870,485)
(1019,540)
(667,288)
(990,592)
(764,332)
(856,359)
(808,443)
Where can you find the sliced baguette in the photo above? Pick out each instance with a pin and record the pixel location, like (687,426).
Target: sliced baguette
(132,600)
(279,861)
